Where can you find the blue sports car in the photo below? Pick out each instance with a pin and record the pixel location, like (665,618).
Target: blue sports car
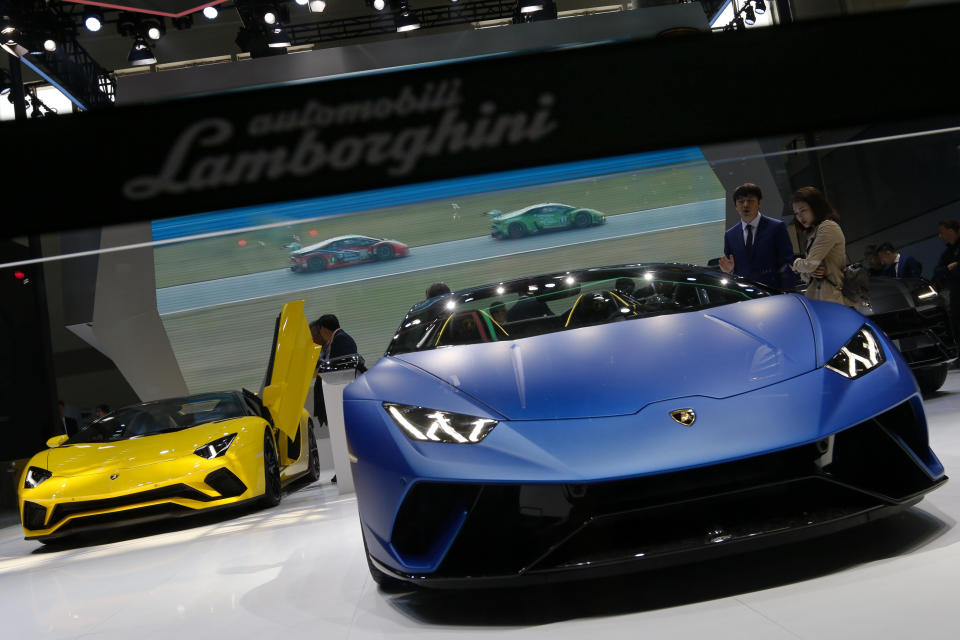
(612,419)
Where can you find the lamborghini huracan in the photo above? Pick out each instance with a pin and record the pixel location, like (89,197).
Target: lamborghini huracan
(181,456)
(343,251)
(612,419)
(542,217)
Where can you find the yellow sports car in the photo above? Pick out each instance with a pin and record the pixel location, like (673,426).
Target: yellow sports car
(181,455)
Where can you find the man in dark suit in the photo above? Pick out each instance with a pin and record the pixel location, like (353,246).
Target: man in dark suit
(336,342)
(758,247)
(69,425)
(946,275)
(897,265)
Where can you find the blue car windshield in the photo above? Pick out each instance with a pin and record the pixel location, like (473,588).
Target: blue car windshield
(162,416)
(560,301)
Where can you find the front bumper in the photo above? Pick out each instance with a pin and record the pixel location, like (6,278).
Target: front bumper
(501,534)
(66,505)
(541,499)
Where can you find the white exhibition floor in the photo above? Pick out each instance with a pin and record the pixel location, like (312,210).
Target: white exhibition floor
(298,571)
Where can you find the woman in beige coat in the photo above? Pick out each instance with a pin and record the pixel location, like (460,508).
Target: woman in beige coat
(826,253)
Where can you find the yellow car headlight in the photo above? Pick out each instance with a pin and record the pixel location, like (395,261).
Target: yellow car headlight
(216,448)
(35,476)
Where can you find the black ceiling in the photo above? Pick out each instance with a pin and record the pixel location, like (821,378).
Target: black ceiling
(171,8)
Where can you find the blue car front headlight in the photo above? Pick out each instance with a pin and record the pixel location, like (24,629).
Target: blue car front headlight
(216,448)
(430,425)
(34,476)
(860,355)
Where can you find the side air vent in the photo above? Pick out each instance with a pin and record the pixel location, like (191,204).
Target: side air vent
(34,515)
(225,483)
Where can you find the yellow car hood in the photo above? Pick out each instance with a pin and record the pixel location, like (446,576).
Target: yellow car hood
(80,459)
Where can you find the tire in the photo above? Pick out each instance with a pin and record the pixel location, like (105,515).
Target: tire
(272,486)
(387,583)
(313,470)
(385,252)
(516,230)
(582,220)
(316,264)
(931,379)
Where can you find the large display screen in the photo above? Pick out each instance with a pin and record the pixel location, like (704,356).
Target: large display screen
(368,257)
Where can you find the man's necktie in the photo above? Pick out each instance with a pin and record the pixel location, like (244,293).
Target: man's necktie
(749,237)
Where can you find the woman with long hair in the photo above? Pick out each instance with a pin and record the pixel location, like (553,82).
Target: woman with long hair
(826,254)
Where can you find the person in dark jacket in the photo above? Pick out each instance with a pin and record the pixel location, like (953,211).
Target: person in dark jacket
(946,275)
(872,261)
(68,424)
(758,247)
(437,289)
(897,265)
(335,342)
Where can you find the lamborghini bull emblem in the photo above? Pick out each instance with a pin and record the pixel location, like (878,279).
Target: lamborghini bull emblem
(686,417)
(114,476)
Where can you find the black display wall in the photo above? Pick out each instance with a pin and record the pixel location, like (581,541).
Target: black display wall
(28,402)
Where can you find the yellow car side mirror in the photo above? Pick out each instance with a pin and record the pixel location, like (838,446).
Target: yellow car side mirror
(56,441)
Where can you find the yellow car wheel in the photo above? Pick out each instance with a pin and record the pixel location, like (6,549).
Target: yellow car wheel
(273,489)
(314,470)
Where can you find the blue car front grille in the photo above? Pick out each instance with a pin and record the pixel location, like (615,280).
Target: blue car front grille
(531,528)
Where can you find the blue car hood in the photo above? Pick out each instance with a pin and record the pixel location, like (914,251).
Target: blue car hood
(618,368)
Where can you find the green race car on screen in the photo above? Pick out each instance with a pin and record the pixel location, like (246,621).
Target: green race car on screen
(543,217)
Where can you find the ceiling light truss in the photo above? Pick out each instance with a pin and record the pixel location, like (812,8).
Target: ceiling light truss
(68,67)
(383,22)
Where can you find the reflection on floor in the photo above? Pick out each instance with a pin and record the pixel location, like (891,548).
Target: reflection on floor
(299,570)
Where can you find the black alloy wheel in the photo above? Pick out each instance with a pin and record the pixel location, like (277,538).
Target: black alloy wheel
(273,489)
(313,472)
(581,220)
(517,230)
(316,264)
(384,252)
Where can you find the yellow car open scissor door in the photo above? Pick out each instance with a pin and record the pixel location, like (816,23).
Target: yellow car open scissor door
(290,373)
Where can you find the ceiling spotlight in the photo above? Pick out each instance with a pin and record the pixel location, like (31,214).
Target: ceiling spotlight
(92,20)
(317,6)
(210,13)
(153,28)
(140,53)
(270,17)
(749,17)
(531,6)
(761,7)
(50,45)
(379,5)
(8,35)
(407,22)
(302,2)
(277,38)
